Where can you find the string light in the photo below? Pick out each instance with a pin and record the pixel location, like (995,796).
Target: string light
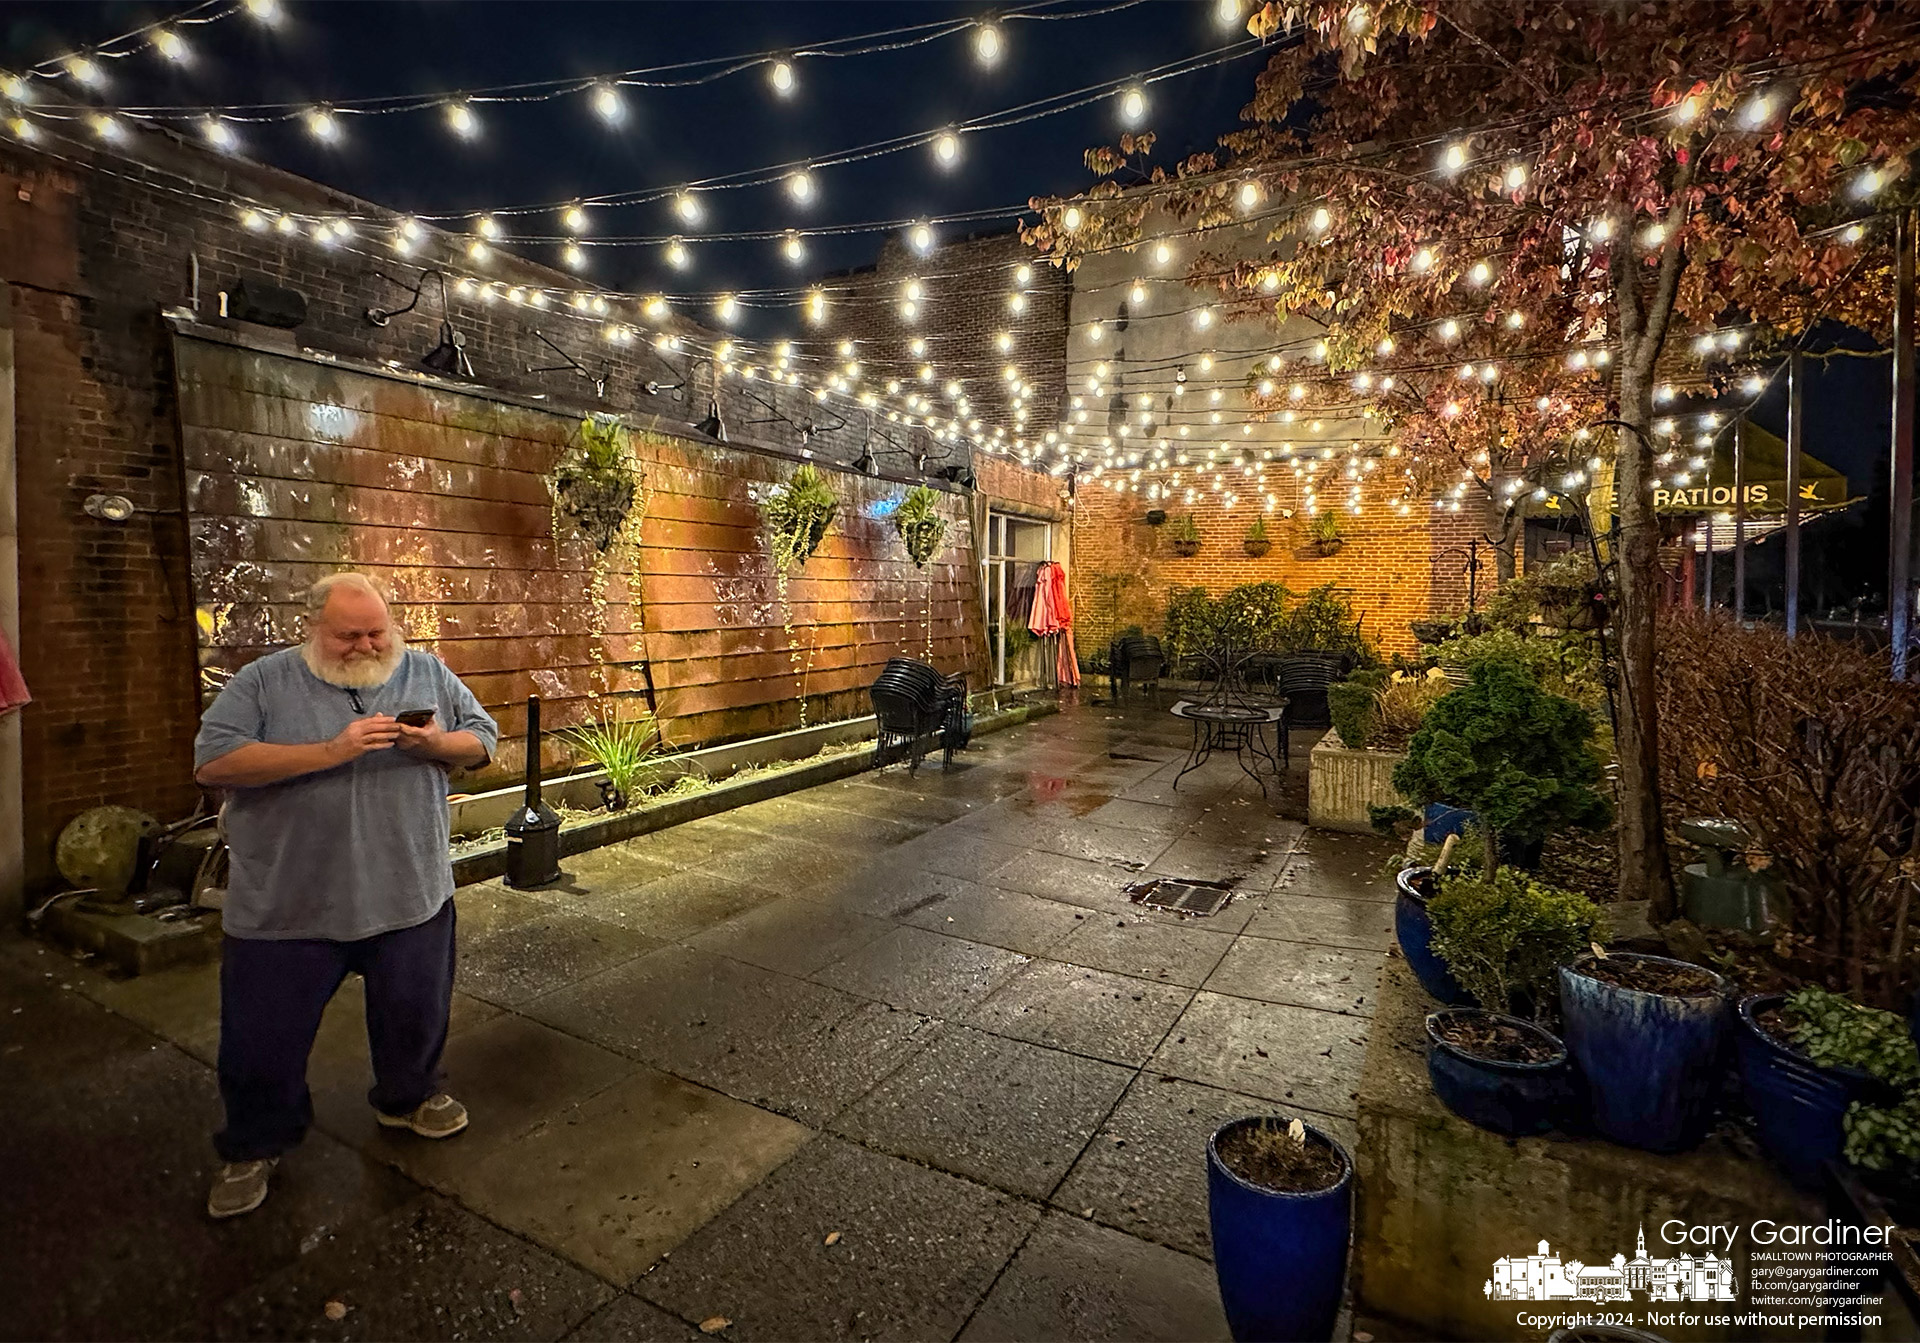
(920,238)
(85,72)
(171,45)
(946,148)
(1227,13)
(1516,176)
(677,255)
(1133,105)
(461,120)
(608,104)
(1455,157)
(986,43)
(799,186)
(780,75)
(687,207)
(219,134)
(574,256)
(1071,219)
(322,125)
(793,248)
(266,11)
(575,219)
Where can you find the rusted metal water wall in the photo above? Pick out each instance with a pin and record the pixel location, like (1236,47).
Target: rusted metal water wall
(297,467)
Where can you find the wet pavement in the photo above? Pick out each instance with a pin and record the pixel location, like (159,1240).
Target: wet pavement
(890,1058)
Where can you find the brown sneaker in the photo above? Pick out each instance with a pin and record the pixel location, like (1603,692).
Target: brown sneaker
(440,1116)
(240,1187)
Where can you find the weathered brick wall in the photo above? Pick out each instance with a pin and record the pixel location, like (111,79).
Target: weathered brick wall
(1393,568)
(92,248)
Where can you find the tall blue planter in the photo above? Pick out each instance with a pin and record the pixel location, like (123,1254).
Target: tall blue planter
(1280,1257)
(1414,931)
(1797,1104)
(1651,1062)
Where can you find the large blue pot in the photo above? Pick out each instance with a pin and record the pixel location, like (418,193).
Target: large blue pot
(1514,1099)
(1280,1257)
(1797,1104)
(1650,1061)
(1414,931)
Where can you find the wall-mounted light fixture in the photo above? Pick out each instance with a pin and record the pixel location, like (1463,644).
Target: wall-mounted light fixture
(109,507)
(712,426)
(449,357)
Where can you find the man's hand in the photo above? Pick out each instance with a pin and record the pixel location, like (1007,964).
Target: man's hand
(427,740)
(377,732)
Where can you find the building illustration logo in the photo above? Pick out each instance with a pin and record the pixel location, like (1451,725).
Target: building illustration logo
(1543,1276)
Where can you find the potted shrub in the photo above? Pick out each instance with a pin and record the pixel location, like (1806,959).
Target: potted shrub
(595,482)
(1257,543)
(919,524)
(799,514)
(1805,1059)
(1520,759)
(1502,937)
(1646,1034)
(1280,1207)
(1414,889)
(624,748)
(1186,536)
(1323,533)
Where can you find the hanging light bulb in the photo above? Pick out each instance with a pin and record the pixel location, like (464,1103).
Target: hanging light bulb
(265,11)
(677,255)
(1480,274)
(946,148)
(816,305)
(1423,260)
(1016,303)
(687,206)
(1249,195)
(219,134)
(171,45)
(1133,105)
(800,185)
(781,77)
(1321,221)
(1516,176)
(726,307)
(574,256)
(487,227)
(1227,13)
(986,43)
(1455,157)
(85,71)
(461,120)
(608,105)
(1137,295)
(1449,330)
(106,127)
(322,125)
(920,237)
(793,248)
(575,218)
(1071,219)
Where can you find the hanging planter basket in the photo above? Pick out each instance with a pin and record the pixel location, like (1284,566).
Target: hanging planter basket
(920,527)
(1256,548)
(1186,548)
(1327,545)
(798,514)
(595,483)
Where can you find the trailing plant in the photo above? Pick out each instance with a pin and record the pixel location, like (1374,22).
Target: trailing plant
(799,514)
(595,481)
(1834,1031)
(623,747)
(1519,758)
(1811,746)
(1504,935)
(919,524)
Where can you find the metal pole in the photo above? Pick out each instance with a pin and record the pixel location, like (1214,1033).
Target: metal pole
(1706,555)
(1900,525)
(1796,429)
(1739,519)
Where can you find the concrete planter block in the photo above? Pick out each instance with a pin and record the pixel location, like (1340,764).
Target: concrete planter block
(1342,783)
(1441,1200)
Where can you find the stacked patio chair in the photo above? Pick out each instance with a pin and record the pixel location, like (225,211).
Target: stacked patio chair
(1135,660)
(1303,678)
(912,702)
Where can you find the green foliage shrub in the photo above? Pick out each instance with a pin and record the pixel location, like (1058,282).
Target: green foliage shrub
(1505,934)
(1836,1032)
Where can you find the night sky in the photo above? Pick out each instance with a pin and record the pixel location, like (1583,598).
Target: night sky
(556,150)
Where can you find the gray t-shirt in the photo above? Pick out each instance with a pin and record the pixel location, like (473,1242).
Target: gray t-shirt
(347,852)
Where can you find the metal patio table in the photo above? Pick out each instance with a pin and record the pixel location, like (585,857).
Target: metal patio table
(1239,724)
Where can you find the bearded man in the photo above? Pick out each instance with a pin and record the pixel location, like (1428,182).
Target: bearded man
(337,831)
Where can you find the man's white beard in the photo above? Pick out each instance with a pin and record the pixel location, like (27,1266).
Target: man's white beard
(354,672)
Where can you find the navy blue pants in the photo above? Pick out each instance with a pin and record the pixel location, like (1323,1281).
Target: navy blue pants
(272,994)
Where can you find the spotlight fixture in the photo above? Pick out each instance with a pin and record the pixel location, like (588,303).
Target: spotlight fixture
(712,426)
(109,507)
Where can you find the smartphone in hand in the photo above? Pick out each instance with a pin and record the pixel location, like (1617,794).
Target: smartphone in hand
(415,717)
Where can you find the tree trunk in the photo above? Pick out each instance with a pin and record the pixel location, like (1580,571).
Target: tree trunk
(1502,527)
(1645,873)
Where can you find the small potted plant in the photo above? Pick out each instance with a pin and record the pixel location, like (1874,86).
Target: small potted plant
(1646,1034)
(1186,536)
(1323,533)
(1503,936)
(623,748)
(1805,1058)
(1280,1208)
(595,481)
(1257,543)
(799,514)
(919,524)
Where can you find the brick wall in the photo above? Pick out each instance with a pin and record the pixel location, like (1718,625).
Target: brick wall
(1393,568)
(93,248)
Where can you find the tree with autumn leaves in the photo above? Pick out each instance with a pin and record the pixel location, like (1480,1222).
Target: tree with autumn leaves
(1544,201)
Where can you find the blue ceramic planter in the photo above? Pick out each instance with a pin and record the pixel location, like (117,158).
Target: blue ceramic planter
(1280,1257)
(1414,931)
(1650,1061)
(1797,1104)
(1514,1099)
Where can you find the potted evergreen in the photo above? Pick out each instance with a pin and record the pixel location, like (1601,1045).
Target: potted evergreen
(1502,937)
(1257,543)
(1280,1209)
(1323,533)
(1186,536)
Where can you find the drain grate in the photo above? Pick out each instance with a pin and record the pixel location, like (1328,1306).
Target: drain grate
(1182,895)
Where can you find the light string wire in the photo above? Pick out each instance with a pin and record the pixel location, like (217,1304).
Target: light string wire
(208,11)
